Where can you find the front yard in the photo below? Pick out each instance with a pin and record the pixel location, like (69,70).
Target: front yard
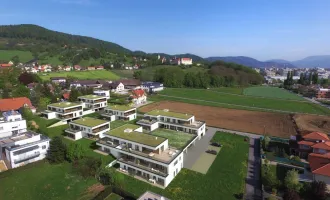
(224,180)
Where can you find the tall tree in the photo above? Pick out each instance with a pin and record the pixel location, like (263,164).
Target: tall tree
(57,151)
(21,91)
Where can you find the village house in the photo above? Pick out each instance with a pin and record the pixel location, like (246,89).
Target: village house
(67,68)
(90,68)
(115,86)
(58,80)
(138,97)
(152,86)
(131,84)
(181,61)
(99,67)
(77,68)
(86,83)
(16,104)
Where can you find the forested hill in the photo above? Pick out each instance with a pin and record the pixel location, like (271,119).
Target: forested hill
(27,36)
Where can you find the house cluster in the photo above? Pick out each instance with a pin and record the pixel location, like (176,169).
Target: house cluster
(5,65)
(181,61)
(19,146)
(36,68)
(315,147)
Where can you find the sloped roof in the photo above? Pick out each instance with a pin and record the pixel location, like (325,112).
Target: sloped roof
(322,145)
(306,143)
(134,82)
(14,103)
(138,93)
(66,95)
(316,136)
(325,170)
(318,160)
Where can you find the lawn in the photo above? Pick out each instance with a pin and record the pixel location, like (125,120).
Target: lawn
(41,180)
(175,139)
(117,123)
(113,196)
(208,97)
(224,179)
(271,92)
(84,75)
(124,73)
(231,90)
(7,55)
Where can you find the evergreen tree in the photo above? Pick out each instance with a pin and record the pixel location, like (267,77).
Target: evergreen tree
(57,151)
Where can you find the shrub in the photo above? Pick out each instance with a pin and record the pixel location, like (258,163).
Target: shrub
(291,195)
(75,151)
(87,167)
(291,180)
(296,158)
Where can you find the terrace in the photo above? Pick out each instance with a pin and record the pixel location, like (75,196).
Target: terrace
(89,122)
(168,113)
(126,132)
(90,97)
(120,107)
(147,121)
(176,139)
(64,105)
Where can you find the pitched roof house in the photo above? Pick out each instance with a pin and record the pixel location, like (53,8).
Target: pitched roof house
(15,104)
(131,83)
(138,97)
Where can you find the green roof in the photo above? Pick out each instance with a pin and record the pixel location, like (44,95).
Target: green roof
(120,107)
(64,104)
(91,97)
(169,114)
(90,122)
(134,136)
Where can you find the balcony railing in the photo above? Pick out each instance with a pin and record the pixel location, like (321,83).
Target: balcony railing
(72,130)
(100,100)
(129,113)
(72,110)
(100,129)
(16,161)
(142,166)
(66,116)
(108,142)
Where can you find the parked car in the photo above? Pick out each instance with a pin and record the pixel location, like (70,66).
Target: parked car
(211,152)
(216,144)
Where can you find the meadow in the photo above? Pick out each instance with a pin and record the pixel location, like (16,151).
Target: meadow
(212,98)
(224,180)
(7,55)
(271,92)
(83,75)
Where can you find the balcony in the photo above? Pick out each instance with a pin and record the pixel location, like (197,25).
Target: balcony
(129,113)
(194,125)
(135,163)
(102,128)
(26,158)
(108,142)
(106,114)
(147,122)
(66,116)
(73,109)
(73,131)
(100,100)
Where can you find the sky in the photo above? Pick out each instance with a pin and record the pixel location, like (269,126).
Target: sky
(262,29)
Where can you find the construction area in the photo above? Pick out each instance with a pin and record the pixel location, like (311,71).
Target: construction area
(310,123)
(273,124)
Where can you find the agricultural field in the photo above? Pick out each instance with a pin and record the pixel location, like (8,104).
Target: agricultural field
(84,75)
(271,123)
(41,180)
(209,97)
(271,92)
(231,90)
(7,55)
(175,139)
(123,73)
(225,178)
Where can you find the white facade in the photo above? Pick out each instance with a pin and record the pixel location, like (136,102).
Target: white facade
(104,93)
(119,88)
(26,148)
(12,123)
(93,102)
(157,164)
(78,131)
(186,61)
(64,111)
(127,114)
(140,100)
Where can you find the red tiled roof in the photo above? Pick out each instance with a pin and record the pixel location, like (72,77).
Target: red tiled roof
(14,103)
(325,170)
(316,136)
(306,143)
(66,95)
(5,65)
(138,93)
(318,160)
(322,145)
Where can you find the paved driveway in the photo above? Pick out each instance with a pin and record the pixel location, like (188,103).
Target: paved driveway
(195,151)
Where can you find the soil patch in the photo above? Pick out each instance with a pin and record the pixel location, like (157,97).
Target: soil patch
(273,124)
(310,123)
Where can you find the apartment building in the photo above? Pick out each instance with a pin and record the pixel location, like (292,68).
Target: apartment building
(93,102)
(172,120)
(24,148)
(123,112)
(103,93)
(87,127)
(142,155)
(11,123)
(65,111)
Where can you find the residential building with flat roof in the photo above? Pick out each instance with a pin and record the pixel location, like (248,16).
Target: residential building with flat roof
(172,120)
(93,102)
(11,123)
(123,112)
(103,93)
(146,156)
(64,111)
(87,127)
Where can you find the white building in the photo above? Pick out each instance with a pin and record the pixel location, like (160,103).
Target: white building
(87,127)
(117,87)
(138,97)
(122,112)
(152,86)
(143,155)
(11,124)
(24,148)
(93,102)
(174,121)
(103,93)
(64,111)
(181,61)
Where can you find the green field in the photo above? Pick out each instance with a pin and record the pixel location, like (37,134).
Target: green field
(231,90)
(271,92)
(208,97)
(41,180)
(7,55)
(84,75)
(224,179)
(113,196)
